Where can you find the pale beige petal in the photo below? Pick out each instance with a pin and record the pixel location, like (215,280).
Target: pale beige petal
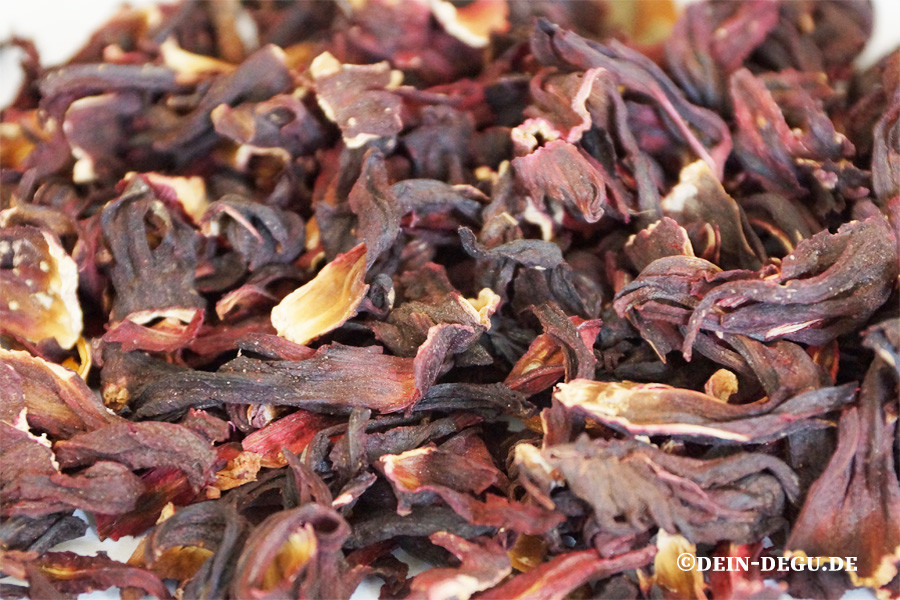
(326,302)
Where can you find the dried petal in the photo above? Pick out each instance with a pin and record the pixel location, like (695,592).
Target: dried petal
(142,445)
(651,409)
(853,509)
(703,500)
(484,564)
(326,302)
(357,98)
(55,399)
(556,578)
(40,284)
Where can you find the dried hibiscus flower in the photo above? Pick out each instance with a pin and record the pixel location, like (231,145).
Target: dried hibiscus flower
(548,295)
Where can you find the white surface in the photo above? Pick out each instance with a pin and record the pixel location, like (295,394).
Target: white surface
(60,27)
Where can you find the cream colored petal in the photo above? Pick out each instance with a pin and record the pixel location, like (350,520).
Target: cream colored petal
(326,302)
(675,568)
(474,23)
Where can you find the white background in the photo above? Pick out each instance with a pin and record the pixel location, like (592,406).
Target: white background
(60,27)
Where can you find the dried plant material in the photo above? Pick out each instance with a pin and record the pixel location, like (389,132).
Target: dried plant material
(645,21)
(32,484)
(210,529)
(281,128)
(326,302)
(700,58)
(483,565)
(259,234)
(418,475)
(407,473)
(190,192)
(292,432)
(669,575)
(528,552)
(722,384)
(40,283)
(154,278)
(67,574)
(164,488)
(556,578)
(566,49)
(15,144)
(658,240)
(699,198)
(473,23)
(358,98)
(39,535)
(658,494)
(861,470)
(180,563)
(142,445)
(189,65)
(85,361)
(52,398)
(239,470)
(296,547)
(561,171)
(545,294)
(334,379)
(651,409)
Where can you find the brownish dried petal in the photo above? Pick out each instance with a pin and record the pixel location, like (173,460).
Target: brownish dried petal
(377,209)
(853,509)
(335,379)
(425,469)
(699,199)
(483,564)
(142,445)
(566,174)
(651,409)
(662,238)
(164,487)
(358,98)
(55,398)
(40,283)
(704,500)
(826,286)
(154,258)
(554,579)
